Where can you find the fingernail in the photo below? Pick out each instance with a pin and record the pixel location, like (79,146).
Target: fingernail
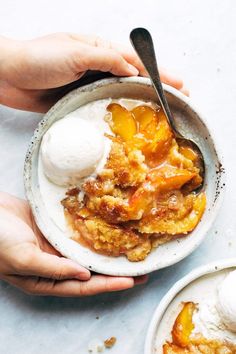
(83,275)
(133,71)
(144,73)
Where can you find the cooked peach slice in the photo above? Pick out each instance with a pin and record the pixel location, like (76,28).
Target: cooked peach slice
(158,181)
(173,225)
(172,177)
(155,136)
(146,118)
(162,137)
(123,122)
(176,158)
(183,325)
(188,153)
(158,147)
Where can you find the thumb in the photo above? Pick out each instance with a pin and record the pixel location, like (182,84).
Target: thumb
(38,263)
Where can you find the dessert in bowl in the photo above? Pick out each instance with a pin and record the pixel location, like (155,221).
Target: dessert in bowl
(198,315)
(109,185)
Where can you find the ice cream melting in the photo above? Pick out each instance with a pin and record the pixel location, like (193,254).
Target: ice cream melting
(227,301)
(71,150)
(75,147)
(216,316)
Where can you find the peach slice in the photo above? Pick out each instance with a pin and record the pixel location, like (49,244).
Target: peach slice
(183,325)
(146,118)
(173,225)
(160,141)
(123,122)
(188,153)
(172,177)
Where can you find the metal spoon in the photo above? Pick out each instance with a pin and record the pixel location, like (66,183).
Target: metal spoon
(142,42)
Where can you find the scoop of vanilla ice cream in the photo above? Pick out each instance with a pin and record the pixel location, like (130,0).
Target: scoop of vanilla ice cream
(71,150)
(227,301)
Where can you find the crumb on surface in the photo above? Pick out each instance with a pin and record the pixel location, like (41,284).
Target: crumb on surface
(110,342)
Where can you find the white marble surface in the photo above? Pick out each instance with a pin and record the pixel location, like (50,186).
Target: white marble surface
(196,39)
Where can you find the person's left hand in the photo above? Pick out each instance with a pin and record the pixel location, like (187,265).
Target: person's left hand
(33,73)
(29,262)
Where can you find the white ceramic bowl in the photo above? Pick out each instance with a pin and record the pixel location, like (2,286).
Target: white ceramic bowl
(200,281)
(188,119)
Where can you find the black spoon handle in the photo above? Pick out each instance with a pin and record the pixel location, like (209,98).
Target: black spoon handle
(142,42)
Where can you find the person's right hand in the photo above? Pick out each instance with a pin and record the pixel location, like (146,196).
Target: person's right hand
(30,263)
(34,73)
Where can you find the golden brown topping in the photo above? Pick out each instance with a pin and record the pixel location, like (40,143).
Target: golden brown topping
(106,238)
(140,252)
(128,167)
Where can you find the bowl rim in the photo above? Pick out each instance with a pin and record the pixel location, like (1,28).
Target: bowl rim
(193,275)
(103,269)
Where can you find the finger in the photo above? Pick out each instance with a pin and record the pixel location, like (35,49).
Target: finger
(68,288)
(45,246)
(125,51)
(36,262)
(129,54)
(170,79)
(131,57)
(185,91)
(140,280)
(106,60)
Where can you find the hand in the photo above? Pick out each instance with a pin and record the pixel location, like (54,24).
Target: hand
(29,262)
(34,72)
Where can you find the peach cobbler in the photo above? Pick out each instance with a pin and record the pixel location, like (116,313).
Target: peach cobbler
(187,341)
(144,196)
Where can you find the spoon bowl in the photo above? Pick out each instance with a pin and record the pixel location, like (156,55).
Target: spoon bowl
(143,44)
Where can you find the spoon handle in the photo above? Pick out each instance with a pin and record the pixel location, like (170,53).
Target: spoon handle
(142,42)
